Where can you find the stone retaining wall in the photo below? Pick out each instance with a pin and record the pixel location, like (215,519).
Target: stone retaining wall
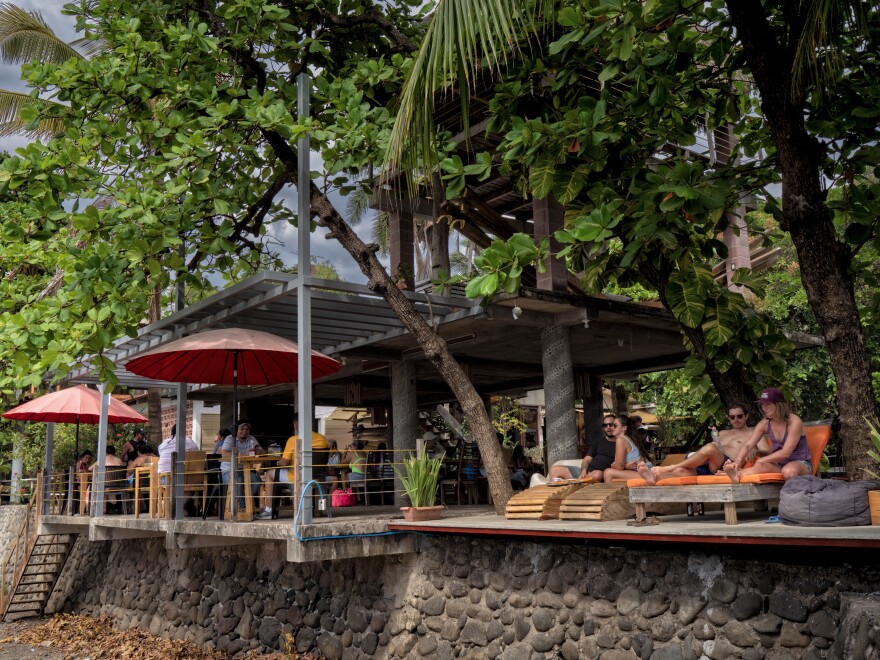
(475,598)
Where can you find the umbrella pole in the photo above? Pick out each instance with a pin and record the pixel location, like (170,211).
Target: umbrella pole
(233,460)
(76,442)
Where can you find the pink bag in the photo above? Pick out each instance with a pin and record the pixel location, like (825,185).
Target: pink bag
(343,497)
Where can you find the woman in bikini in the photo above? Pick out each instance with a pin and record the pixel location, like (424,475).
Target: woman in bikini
(628,455)
(790,453)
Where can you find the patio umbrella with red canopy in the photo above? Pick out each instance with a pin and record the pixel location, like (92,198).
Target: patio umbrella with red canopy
(72,406)
(229,356)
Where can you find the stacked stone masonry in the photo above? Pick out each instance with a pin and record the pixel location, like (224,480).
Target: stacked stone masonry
(483,599)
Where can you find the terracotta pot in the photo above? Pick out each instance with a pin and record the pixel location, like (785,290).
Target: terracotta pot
(874,506)
(421,513)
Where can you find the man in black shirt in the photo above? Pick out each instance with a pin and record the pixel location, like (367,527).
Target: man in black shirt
(598,459)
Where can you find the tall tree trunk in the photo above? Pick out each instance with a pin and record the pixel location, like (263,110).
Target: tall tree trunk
(824,259)
(380,282)
(432,344)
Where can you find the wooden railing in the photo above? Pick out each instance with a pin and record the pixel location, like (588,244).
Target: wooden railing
(16,559)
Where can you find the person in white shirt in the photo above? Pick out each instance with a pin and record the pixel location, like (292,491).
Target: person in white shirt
(168,447)
(244,443)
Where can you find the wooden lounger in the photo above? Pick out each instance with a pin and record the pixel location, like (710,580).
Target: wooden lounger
(540,502)
(718,488)
(598,502)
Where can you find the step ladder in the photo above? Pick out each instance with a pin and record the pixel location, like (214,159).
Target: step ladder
(37,576)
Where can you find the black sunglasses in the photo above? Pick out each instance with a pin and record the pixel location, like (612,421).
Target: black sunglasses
(739,416)
(611,424)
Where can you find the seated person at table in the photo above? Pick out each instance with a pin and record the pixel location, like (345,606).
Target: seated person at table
(220,438)
(790,454)
(520,468)
(711,456)
(110,460)
(145,452)
(130,448)
(627,456)
(356,461)
(244,443)
(320,449)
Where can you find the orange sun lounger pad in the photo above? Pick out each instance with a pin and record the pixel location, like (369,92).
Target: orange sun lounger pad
(668,481)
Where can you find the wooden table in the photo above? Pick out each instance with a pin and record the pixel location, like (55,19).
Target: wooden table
(248,464)
(726,494)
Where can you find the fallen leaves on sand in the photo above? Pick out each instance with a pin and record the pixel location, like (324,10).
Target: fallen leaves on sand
(89,637)
(82,636)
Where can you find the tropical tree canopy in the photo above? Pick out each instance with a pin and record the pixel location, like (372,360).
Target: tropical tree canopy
(605,106)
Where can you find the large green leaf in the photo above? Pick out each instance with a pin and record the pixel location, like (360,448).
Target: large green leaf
(687,301)
(541,178)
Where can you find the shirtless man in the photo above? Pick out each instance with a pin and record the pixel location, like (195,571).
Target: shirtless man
(711,456)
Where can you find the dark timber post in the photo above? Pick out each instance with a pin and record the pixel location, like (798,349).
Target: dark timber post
(405,414)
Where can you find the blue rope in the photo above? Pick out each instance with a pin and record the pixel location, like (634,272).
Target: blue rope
(327,538)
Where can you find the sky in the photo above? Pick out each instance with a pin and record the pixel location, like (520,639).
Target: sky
(325,250)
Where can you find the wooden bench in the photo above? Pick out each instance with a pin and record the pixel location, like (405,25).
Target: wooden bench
(719,489)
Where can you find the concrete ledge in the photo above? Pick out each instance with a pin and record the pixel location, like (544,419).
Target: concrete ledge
(53,524)
(300,552)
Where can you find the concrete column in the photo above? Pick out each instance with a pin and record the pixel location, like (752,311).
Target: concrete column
(405,417)
(47,464)
(561,422)
(548,216)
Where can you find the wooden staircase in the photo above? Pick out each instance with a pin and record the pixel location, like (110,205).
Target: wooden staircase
(32,566)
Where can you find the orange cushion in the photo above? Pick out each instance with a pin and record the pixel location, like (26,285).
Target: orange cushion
(766,478)
(677,481)
(709,479)
(668,481)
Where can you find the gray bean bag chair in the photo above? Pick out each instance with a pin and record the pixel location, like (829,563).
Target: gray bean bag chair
(815,502)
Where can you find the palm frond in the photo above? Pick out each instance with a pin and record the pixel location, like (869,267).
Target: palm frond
(818,57)
(11,104)
(464,35)
(88,47)
(357,205)
(380,234)
(25,37)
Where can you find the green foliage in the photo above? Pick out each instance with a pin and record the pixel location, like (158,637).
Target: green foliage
(166,169)
(419,475)
(501,265)
(507,417)
(874,453)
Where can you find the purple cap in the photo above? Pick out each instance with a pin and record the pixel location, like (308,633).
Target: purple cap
(771,395)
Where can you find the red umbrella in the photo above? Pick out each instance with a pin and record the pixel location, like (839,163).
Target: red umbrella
(228,357)
(214,357)
(72,406)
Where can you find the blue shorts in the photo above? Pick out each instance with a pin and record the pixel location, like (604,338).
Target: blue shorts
(705,470)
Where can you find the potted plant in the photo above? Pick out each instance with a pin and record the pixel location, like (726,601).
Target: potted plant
(419,477)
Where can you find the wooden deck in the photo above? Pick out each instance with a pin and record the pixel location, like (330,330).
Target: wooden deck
(708,530)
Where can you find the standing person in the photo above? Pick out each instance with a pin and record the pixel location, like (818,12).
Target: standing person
(599,457)
(244,443)
(627,456)
(790,455)
(711,456)
(130,448)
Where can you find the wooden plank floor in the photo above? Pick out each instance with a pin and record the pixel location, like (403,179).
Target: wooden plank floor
(709,529)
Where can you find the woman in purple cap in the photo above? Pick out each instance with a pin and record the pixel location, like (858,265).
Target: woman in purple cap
(790,454)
